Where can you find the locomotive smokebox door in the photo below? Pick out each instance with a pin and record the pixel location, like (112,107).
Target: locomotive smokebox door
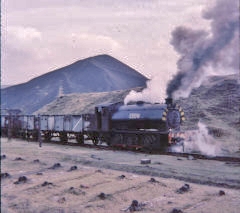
(174,119)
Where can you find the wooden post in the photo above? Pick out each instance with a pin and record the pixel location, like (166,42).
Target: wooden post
(9,130)
(39,131)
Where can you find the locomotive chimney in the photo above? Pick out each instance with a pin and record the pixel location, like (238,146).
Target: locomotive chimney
(169,101)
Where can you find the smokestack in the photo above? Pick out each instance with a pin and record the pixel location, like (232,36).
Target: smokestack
(169,101)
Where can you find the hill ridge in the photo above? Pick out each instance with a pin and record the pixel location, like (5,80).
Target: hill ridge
(99,73)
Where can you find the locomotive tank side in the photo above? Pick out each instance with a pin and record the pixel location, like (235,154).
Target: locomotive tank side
(142,116)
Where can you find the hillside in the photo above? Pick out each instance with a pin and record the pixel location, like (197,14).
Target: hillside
(82,103)
(216,103)
(101,73)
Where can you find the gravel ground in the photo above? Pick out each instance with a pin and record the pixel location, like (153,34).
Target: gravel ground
(76,179)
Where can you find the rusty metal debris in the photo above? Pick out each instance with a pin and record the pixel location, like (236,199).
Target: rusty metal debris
(121,177)
(176,211)
(55,166)
(72,168)
(183,189)
(39,173)
(84,187)
(221,193)
(153,180)
(75,191)
(103,196)
(47,183)
(18,159)
(22,179)
(5,175)
(135,206)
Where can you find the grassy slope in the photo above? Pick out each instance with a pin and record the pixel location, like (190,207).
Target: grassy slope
(82,103)
(217,104)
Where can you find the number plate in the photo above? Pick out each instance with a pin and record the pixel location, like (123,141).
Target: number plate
(134,115)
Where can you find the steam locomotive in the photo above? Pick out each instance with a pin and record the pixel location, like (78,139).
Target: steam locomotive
(137,125)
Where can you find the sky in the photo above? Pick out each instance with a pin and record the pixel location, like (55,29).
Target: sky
(39,36)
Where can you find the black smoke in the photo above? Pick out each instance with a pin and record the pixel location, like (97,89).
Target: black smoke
(199,50)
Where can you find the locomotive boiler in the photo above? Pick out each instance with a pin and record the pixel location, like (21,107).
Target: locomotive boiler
(138,125)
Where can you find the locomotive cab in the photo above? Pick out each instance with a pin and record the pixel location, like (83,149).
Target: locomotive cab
(103,115)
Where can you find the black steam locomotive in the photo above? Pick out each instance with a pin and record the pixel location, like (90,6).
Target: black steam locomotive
(138,125)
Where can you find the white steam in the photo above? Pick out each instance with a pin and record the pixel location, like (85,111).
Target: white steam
(154,93)
(201,142)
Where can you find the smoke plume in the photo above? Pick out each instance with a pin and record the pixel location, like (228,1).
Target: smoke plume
(206,52)
(202,53)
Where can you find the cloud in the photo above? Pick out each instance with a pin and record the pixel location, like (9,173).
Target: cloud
(26,47)
(24,33)
(95,41)
(20,49)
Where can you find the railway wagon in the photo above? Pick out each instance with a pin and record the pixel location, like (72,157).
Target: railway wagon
(19,126)
(64,127)
(28,127)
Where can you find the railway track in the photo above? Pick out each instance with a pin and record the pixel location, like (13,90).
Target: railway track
(190,156)
(194,156)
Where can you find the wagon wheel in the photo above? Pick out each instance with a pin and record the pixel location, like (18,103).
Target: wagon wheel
(63,137)
(95,140)
(148,142)
(23,135)
(35,135)
(117,139)
(80,138)
(131,140)
(108,140)
(47,136)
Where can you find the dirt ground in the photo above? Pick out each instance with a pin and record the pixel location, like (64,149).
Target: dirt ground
(64,179)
